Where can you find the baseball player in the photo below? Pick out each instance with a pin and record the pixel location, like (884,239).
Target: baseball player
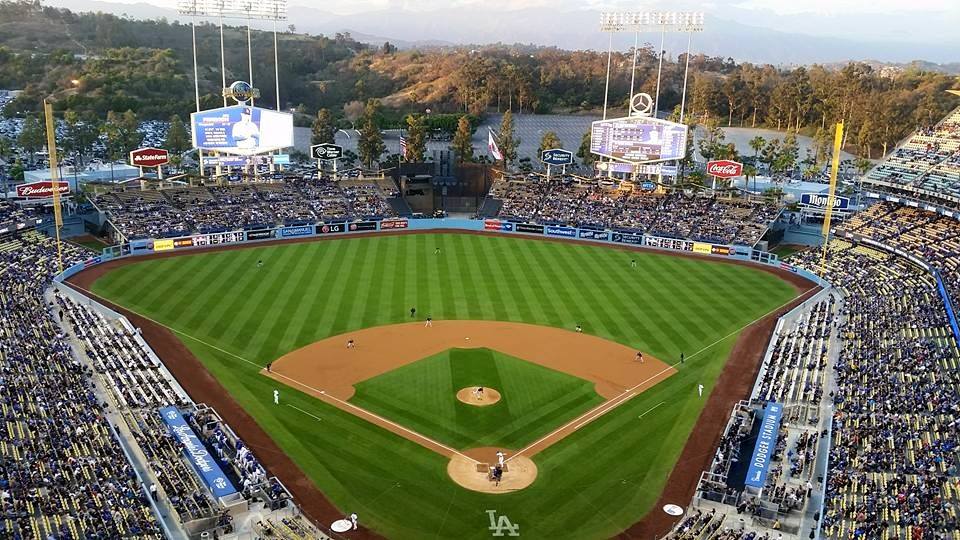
(269,367)
(276,397)
(639,357)
(429,322)
(260,264)
(478,393)
(633,263)
(500,457)
(353,519)
(350,343)
(700,390)
(436,251)
(413,311)
(579,329)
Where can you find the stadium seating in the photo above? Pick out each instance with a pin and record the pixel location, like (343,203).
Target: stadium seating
(928,162)
(11,213)
(566,201)
(184,210)
(62,472)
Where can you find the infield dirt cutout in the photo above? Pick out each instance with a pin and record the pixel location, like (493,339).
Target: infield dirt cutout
(328,370)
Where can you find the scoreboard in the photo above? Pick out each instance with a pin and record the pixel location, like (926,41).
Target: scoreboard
(639,139)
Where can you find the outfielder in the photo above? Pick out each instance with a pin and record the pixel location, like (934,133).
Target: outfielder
(276,397)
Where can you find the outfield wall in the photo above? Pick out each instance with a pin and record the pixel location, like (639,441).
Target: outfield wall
(575,234)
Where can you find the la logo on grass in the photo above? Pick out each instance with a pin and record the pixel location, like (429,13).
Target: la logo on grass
(502,524)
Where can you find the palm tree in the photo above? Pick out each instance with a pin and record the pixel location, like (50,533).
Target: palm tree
(757,143)
(750,171)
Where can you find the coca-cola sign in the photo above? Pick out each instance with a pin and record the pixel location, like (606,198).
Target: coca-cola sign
(724,168)
(41,190)
(149,157)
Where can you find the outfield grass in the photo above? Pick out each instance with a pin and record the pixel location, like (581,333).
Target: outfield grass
(590,485)
(422,396)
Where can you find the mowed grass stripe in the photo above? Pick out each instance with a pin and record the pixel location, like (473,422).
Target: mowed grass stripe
(591,485)
(214,308)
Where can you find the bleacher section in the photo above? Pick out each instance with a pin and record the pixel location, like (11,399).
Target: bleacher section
(184,210)
(574,202)
(927,164)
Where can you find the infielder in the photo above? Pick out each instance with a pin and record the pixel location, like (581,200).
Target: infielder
(500,457)
(429,322)
(350,343)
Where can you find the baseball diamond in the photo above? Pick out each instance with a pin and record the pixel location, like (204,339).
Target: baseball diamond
(367,412)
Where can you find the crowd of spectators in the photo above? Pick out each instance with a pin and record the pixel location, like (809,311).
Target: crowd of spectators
(206,209)
(928,162)
(63,474)
(566,201)
(893,458)
(13,214)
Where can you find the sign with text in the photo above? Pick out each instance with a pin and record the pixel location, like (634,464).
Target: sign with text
(197,453)
(819,200)
(766,444)
(724,168)
(638,139)
(557,156)
(326,151)
(41,190)
(149,157)
(242,130)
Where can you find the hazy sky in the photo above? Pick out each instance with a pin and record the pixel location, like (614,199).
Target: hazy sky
(824,7)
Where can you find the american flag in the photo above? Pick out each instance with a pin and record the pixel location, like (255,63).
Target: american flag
(403,146)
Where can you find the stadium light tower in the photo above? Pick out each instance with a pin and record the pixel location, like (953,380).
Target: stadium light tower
(265,10)
(650,21)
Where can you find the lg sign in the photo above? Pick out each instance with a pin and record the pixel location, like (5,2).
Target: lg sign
(724,168)
(149,157)
(41,190)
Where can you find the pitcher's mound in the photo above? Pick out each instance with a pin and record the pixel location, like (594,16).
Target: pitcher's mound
(470,396)
(518,473)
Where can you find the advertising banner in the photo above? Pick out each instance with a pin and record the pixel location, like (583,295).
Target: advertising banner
(765,445)
(700,247)
(242,130)
(528,228)
(163,245)
(819,200)
(625,238)
(290,232)
(566,232)
(724,168)
(363,226)
(183,242)
(197,454)
(668,243)
(41,190)
(492,225)
(329,228)
(259,235)
(721,250)
(149,157)
(594,235)
(281,159)
(393,224)
(90,262)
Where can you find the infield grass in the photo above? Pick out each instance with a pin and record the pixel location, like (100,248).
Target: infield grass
(592,484)
(422,396)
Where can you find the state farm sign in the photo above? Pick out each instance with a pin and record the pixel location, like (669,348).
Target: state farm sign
(149,157)
(724,168)
(41,190)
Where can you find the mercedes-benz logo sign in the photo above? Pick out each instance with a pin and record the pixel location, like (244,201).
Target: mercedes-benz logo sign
(641,105)
(241,91)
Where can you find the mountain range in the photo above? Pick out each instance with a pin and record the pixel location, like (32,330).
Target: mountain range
(744,35)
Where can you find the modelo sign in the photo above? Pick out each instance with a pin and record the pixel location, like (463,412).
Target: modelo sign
(41,190)
(149,157)
(724,168)
(820,201)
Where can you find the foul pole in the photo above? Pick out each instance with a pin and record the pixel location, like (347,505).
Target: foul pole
(832,196)
(54,178)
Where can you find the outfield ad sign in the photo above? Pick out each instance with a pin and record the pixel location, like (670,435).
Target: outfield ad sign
(626,238)
(594,235)
(394,224)
(259,235)
(497,225)
(197,454)
(331,228)
(566,232)
(529,228)
(291,232)
(363,226)
(819,200)
(765,446)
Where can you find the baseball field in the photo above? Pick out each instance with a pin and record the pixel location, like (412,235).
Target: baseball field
(375,428)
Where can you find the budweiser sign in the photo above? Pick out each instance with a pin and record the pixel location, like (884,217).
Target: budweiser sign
(41,190)
(724,168)
(149,157)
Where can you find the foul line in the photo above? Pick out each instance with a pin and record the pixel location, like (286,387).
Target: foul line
(651,409)
(321,393)
(623,397)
